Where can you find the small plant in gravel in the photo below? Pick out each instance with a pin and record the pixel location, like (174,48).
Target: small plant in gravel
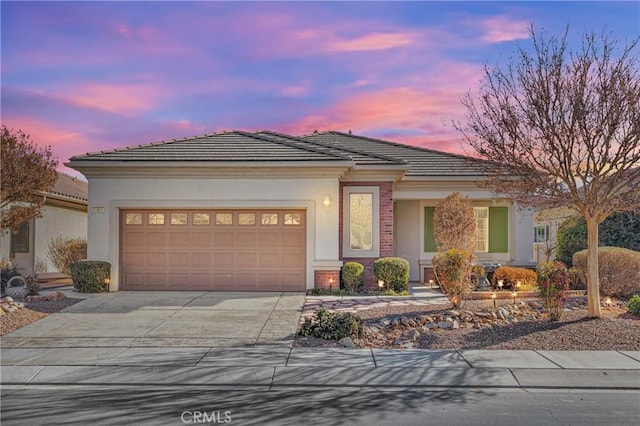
(332,326)
(633,305)
(553,287)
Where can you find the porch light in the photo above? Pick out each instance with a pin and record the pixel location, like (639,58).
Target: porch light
(326,201)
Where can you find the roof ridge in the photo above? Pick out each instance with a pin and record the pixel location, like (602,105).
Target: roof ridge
(350,150)
(305,148)
(377,140)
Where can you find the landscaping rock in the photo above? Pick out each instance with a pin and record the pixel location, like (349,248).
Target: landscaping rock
(444,325)
(347,342)
(412,335)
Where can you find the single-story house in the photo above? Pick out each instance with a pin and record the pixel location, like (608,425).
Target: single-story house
(268,211)
(64,214)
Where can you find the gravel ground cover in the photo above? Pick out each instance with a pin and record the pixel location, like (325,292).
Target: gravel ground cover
(33,311)
(393,327)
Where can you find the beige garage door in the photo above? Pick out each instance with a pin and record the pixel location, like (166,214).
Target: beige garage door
(244,250)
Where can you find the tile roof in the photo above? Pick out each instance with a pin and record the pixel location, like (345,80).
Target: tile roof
(227,146)
(70,187)
(422,162)
(360,158)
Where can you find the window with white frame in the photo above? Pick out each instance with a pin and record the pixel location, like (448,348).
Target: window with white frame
(541,234)
(482,229)
(361,233)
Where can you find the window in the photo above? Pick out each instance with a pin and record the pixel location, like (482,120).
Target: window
(292,219)
(133,219)
(492,232)
(269,218)
(20,240)
(246,219)
(541,234)
(201,219)
(482,229)
(156,219)
(224,219)
(178,218)
(361,221)
(361,218)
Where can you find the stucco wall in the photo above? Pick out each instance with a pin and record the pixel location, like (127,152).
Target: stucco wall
(407,235)
(108,195)
(57,222)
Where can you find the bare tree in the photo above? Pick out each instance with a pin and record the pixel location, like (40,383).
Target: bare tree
(561,127)
(26,171)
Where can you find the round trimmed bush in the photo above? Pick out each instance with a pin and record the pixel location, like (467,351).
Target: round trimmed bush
(619,270)
(352,276)
(91,276)
(394,271)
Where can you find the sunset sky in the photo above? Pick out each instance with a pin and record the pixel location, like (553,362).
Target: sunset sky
(90,76)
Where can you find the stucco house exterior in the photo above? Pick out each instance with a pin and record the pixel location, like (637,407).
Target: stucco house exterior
(64,214)
(545,231)
(269,211)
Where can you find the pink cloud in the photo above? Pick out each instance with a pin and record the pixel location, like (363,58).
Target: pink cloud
(126,99)
(501,28)
(373,41)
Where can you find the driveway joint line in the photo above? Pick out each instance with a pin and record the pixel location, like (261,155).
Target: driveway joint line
(550,360)
(628,356)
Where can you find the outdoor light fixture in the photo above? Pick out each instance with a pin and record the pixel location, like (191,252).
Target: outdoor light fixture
(326,201)
(493,296)
(380,285)
(107,281)
(518,284)
(514,294)
(431,283)
(607,301)
(500,284)
(330,284)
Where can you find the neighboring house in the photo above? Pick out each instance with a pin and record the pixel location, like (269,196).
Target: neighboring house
(64,214)
(268,211)
(545,231)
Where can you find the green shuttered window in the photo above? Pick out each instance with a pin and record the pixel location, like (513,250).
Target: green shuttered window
(498,230)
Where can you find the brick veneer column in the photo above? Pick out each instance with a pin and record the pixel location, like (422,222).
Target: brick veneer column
(322,279)
(386,228)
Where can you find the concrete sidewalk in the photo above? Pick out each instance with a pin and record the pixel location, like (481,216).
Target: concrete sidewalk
(280,366)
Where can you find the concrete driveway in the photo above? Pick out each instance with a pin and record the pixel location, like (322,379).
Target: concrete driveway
(167,319)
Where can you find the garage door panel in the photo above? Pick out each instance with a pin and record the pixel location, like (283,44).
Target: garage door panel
(223,260)
(270,260)
(292,260)
(156,259)
(157,239)
(179,260)
(201,239)
(265,251)
(180,239)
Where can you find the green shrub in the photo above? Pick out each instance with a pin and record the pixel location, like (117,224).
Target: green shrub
(633,305)
(511,276)
(553,287)
(63,253)
(618,230)
(352,276)
(572,237)
(452,269)
(619,270)
(91,276)
(332,326)
(394,271)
